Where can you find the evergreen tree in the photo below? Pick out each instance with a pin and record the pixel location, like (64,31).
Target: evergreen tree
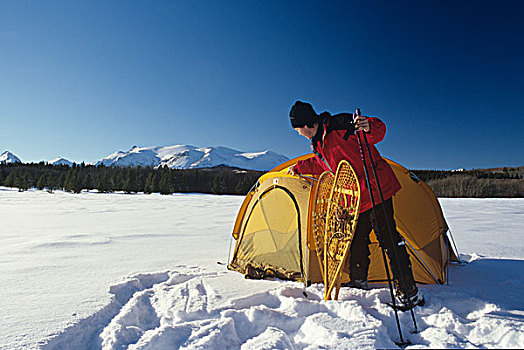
(156,180)
(149,186)
(21,180)
(243,185)
(131,183)
(187,181)
(10,180)
(117,179)
(73,181)
(68,183)
(103,184)
(182,182)
(61,180)
(88,183)
(52,182)
(219,184)
(79,183)
(42,182)
(164,184)
(140,179)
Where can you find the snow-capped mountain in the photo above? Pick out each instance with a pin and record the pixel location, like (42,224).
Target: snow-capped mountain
(60,161)
(8,157)
(190,157)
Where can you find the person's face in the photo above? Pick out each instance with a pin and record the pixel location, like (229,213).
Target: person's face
(307,132)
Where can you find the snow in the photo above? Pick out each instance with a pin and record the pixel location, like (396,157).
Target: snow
(117,271)
(60,161)
(8,157)
(489,227)
(189,157)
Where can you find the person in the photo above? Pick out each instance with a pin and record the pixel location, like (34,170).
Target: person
(332,140)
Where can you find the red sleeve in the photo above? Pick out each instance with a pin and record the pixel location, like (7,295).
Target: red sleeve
(309,166)
(377,130)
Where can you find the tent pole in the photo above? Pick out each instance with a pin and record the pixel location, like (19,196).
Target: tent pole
(454,245)
(306,268)
(229,251)
(422,261)
(448,262)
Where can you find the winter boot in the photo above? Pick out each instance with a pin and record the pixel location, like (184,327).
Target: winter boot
(359,284)
(407,301)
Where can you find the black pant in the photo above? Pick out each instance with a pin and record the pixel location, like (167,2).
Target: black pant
(359,257)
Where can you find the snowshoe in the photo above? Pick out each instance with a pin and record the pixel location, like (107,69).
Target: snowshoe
(407,302)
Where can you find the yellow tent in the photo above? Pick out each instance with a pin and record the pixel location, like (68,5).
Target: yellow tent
(274,237)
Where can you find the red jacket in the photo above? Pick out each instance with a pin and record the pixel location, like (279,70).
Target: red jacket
(334,148)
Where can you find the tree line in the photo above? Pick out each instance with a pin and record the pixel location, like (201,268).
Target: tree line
(218,180)
(488,183)
(502,174)
(504,183)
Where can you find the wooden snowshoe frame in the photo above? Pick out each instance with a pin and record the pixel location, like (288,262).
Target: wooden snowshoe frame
(322,195)
(341,222)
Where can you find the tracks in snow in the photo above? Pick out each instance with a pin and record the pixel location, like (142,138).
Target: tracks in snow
(191,309)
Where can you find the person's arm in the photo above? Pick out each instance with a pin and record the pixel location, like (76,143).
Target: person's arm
(376,129)
(307,166)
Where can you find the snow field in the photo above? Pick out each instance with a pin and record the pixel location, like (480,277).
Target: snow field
(60,253)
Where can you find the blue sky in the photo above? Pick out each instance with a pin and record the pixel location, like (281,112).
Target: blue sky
(82,79)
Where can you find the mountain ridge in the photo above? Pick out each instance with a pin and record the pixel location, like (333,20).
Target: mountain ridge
(178,157)
(192,157)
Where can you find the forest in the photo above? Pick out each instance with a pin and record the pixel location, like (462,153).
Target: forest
(218,180)
(480,183)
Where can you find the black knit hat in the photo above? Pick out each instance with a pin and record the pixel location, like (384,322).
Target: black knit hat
(301,114)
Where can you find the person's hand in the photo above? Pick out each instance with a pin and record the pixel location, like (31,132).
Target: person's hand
(291,171)
(361,123)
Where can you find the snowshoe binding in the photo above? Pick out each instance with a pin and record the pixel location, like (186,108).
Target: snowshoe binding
(405,302)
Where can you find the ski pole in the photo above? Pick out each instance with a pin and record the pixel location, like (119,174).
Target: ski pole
(390,232)
(375,227)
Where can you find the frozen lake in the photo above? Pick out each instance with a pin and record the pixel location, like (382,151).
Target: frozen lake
(61,252)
